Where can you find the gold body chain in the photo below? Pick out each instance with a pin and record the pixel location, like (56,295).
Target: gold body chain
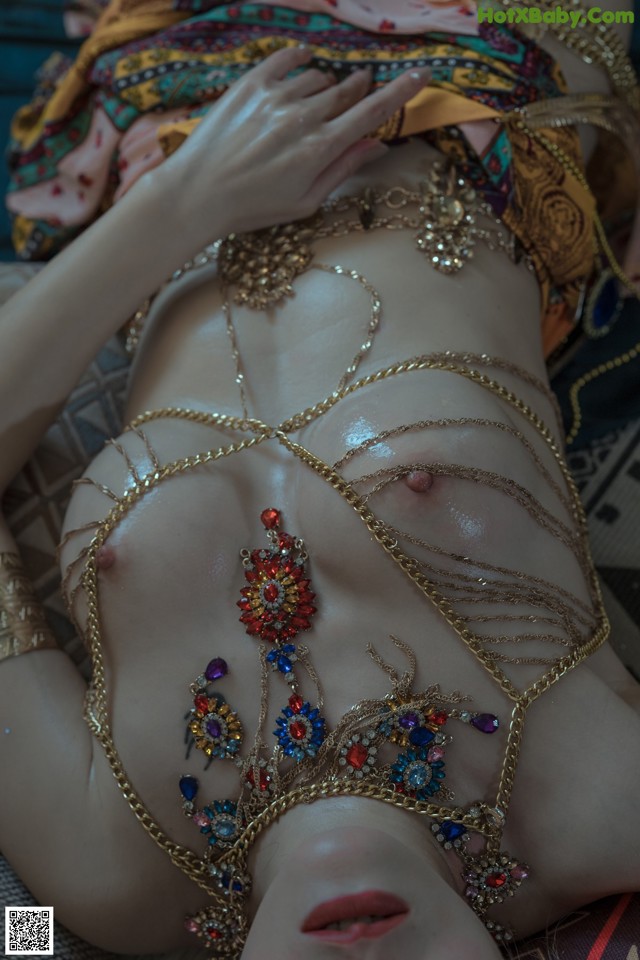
(586,627)
(261,268)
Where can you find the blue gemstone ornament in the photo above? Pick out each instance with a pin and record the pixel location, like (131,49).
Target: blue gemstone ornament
(222,828)
(451,830)
(421,736)
(414,775)
(188,787)
(282,658)
(450,834)
(300,729)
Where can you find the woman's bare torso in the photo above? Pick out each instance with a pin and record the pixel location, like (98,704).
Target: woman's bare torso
(169,599)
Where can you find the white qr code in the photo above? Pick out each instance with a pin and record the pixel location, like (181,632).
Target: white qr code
(28,931)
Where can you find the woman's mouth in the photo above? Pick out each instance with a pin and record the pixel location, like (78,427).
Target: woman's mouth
(356,916)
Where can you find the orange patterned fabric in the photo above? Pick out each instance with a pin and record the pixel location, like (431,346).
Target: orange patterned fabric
(555,215)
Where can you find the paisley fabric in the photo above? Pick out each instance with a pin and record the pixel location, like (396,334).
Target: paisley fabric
(151,68)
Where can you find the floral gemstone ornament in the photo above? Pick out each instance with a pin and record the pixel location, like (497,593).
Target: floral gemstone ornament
(221,828)
(450,834)
(277,602)
(282,658)
(492,881)
(221,929)
(358,754)
(413,775)
(217,731)
(300,730)
(265,777)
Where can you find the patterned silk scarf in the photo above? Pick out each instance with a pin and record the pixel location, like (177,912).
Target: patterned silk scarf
(151,68)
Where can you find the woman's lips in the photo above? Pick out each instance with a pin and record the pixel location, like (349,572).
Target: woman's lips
(375,903)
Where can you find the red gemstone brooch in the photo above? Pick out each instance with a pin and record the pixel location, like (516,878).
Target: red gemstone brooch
(277,602)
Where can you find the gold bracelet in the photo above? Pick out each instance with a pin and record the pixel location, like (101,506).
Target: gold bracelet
(23,627)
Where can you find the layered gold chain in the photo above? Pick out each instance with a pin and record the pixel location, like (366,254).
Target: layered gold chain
(483,818)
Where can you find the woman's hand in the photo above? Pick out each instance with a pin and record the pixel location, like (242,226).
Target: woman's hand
(273,147)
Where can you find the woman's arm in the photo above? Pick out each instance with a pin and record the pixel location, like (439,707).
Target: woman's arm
(270,150)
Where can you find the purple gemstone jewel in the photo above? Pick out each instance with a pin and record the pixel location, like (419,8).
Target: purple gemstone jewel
(408,721)
(216,669)
(485,722)
(213,728)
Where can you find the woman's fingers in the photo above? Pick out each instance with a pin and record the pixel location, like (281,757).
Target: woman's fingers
(368,113)
(278,65)
(308,84)
(336,100)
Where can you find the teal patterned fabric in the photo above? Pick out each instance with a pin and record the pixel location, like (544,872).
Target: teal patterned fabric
(30,30)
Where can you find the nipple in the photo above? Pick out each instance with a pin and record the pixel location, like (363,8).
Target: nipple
(105,558)
(419,481)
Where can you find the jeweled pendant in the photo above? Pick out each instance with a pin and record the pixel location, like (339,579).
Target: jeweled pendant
(358,755)
(231,879)
(216,729)
(278,602)
(222,929)
(188,787)
(492,881)
(413,774)
(264,784)
(218,822)
(485,722)
(282,658)
(450,834)
(300,729)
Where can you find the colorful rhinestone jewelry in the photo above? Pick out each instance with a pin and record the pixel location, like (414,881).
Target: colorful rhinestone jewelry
(396,745)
